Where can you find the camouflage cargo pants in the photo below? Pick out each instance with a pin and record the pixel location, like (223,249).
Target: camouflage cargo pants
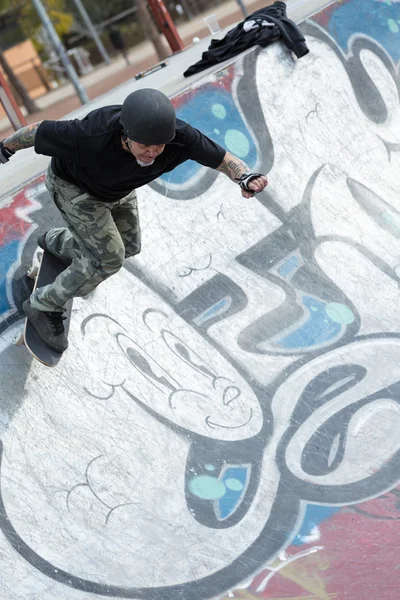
(100,235)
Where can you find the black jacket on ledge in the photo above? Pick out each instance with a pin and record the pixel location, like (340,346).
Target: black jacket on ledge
(260,28)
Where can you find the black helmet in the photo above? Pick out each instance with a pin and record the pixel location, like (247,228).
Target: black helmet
(148,117)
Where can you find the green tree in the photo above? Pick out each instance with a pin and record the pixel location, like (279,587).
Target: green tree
(56,9)
(29,22)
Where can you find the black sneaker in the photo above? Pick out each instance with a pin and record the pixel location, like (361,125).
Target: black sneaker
(48,325)
(41,242)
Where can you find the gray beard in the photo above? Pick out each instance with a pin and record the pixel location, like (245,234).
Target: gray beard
(142,164)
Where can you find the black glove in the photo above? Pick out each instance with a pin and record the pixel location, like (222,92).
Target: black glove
(247,178)
(5,153)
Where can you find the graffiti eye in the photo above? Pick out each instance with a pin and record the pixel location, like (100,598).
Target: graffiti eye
(182,350)
(327,386)
(146,365)
(325,449)
(140,362)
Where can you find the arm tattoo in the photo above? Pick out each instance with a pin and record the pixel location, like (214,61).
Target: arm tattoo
(233,167)
(23,138)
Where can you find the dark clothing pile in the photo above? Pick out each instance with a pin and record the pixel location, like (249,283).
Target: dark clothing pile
(261,28)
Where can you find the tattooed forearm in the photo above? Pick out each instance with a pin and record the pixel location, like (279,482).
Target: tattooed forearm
(23,138)
(233,167)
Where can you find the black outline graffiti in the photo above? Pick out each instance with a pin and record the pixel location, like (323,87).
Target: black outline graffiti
(280,523)
(285,508)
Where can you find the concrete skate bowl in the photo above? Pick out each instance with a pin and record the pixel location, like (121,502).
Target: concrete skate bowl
(225,422)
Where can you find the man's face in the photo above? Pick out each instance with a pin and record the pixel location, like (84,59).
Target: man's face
(145,155)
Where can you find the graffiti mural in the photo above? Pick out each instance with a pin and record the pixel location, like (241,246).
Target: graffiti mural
(340,563)
(21,214)
(225,422)
(15,227)
(214,107)
(378,19)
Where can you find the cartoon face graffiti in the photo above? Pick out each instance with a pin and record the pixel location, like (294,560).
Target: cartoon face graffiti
(129,465)
(156,462)
(218,408)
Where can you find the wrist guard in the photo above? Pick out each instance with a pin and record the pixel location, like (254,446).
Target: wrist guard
(5,153)
(247,178)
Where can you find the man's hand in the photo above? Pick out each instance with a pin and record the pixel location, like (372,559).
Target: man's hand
(5,153)
(252,183)
(238,171)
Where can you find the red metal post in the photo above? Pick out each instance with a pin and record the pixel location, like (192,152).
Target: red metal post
(166,24)
(10,105)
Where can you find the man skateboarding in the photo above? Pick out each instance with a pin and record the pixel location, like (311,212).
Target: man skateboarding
(97,164)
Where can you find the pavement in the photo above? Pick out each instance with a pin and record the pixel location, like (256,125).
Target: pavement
(225,421)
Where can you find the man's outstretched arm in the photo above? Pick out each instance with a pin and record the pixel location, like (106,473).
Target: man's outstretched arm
(240,173)
(19,140)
